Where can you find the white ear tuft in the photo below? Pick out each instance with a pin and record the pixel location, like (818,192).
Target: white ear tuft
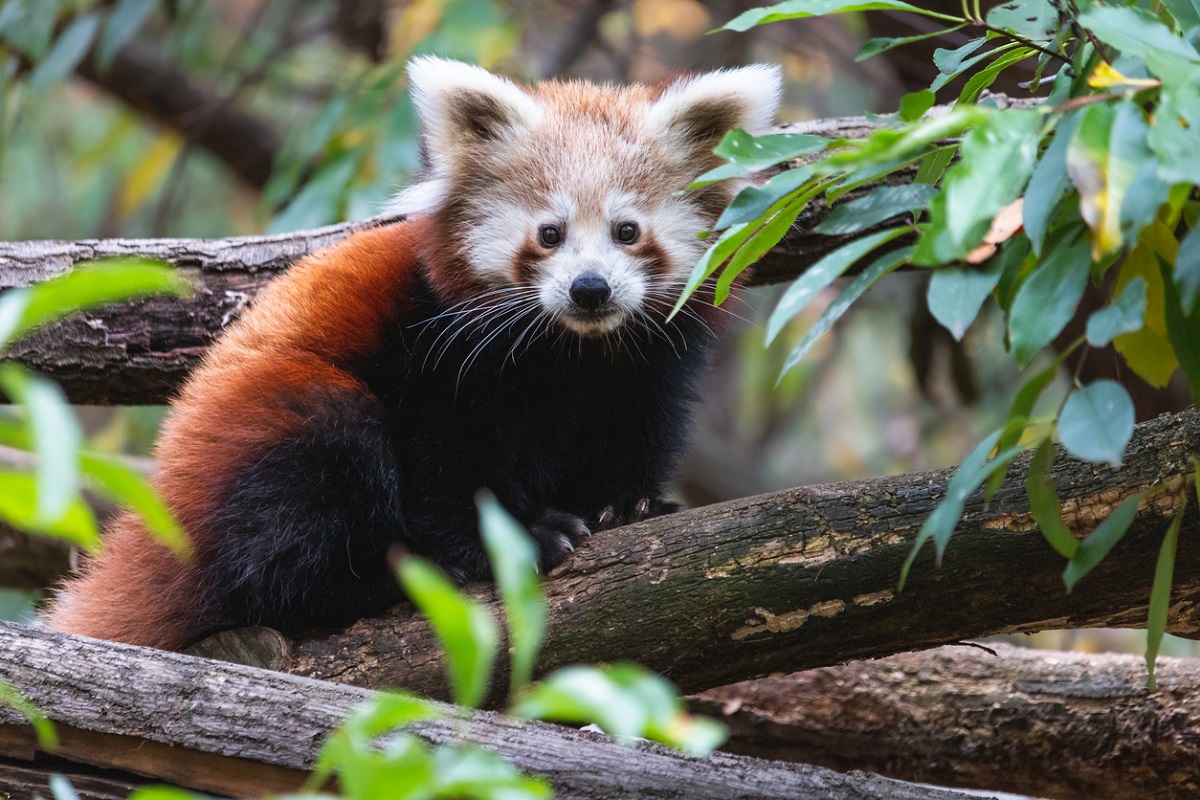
(701,109)
(461,105)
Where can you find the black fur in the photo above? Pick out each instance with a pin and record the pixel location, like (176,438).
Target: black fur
(569,433)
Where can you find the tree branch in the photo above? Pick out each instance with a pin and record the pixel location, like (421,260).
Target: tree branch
(807,577)
(1073,726)
(215,727)
(141,78)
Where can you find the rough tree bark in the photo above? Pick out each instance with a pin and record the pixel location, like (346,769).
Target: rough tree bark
(1068,725)
(216,727)
(139,353)
(807,577)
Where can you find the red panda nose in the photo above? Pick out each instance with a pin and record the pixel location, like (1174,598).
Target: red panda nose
(589,291)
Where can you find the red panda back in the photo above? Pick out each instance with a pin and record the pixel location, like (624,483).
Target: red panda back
(324,310)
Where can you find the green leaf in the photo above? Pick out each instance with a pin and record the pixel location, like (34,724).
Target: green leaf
(717,254)
(914,104)
(125,20)
(19,507)
(319,201)
(69,49)
(752,153)
(995,161)
(1187,271)
(1047,300)
(987,76)
(753,201)
(87,286)
(1048,183)
(1033,19)
(55,435)
(933,166)
(1160,594)
(514,560)
(1044,502)
(950,62)
(128,487)
(468,772)
(1183,331)
(1136,32)
(1185,12)
(761,242)
(873,47)
(957,293)
(863,281)
(819,275)
(463,626)
(62,789)
(43,729)
(1105,157)
(1175,135)
(879,206)
(716,175)
(1126,313)
(626,701)
(352,749)
(1097,422)
(971,474)
(1099,542)
(887,145)
(799,9)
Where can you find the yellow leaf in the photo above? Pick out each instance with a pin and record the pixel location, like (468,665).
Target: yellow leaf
(415,24)
(685,19)
(1105,76)
(1148,352)
(148,173)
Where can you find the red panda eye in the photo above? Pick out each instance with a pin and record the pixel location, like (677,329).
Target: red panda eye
(627,232)
(550,235)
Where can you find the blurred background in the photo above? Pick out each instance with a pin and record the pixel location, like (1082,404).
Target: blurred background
(213,118)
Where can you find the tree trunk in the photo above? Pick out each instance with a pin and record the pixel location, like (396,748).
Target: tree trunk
(1066,725)
(216,727)
(807,577)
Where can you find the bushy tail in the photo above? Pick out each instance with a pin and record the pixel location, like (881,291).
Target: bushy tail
(134,590)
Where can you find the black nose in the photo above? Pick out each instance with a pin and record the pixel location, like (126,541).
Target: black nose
(589,291)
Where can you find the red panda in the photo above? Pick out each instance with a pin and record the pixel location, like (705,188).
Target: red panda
(511,334)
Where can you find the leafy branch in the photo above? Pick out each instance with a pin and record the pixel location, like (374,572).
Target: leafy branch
(1025,207)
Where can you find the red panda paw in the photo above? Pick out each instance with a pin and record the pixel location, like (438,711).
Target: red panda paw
(615,516)
(557,533)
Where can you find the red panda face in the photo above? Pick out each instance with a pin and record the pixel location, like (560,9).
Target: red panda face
(568,197)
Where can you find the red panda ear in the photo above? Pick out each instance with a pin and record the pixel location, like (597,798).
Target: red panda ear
(696,112)
(460,105)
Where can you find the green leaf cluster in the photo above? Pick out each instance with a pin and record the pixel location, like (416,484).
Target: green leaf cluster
(49,499)
(1097,185)
(374,757)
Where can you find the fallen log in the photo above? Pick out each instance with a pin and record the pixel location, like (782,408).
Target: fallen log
(807,577)
(1072,726)
(226,728)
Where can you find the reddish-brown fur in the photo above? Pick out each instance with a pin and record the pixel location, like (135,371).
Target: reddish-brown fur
(326,308)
